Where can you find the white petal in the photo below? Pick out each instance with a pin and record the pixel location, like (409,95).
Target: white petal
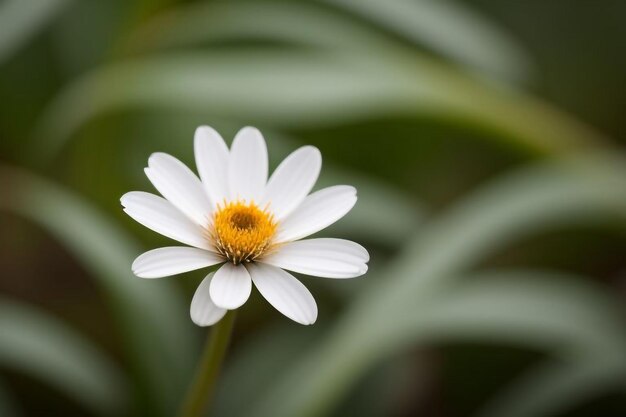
(164,262)
(284,292)
(292,181)
(318,211)
(180,186)
(231,286)
(160,215)
(247,165)
(203,311)
(212,161)
(325,257)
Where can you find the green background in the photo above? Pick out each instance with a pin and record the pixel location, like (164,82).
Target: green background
(486,141)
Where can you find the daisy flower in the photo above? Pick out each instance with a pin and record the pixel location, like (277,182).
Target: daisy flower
(234,216)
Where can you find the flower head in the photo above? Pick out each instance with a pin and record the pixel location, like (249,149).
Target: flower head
(234,216)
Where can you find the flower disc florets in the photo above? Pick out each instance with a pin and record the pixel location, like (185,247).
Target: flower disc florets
(242,232)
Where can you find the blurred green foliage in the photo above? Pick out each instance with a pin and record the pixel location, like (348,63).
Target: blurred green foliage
(493,217)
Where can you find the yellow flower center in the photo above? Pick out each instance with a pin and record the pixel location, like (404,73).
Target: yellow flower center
(242,232)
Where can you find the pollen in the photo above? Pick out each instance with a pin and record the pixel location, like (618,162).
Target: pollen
(242,232)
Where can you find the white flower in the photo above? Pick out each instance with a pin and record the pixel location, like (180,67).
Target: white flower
(235,216)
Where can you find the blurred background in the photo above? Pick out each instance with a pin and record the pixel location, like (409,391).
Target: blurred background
(485,138)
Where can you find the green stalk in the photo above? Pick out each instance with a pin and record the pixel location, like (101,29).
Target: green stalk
(201,390)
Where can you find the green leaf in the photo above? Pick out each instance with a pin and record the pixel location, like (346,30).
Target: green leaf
(152,316)
(295,23)
(297,89)
(557,313)
(447,28)
(450,29)
(36,344)
(20,20)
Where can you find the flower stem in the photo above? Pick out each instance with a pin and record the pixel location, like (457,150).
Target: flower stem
(201,390)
